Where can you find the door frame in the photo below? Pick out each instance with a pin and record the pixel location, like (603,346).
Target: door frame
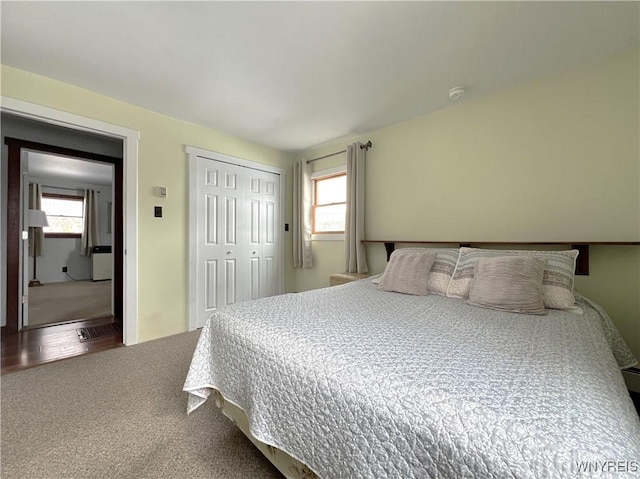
(16,148)
(129,138)
(194,153)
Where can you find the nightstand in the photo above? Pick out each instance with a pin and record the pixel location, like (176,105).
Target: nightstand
(342,278)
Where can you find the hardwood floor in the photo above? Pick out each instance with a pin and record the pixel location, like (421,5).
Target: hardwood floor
(37,346)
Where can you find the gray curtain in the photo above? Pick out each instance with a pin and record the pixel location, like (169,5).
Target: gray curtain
(302,257)
(36,235)
(355,257)
(90,223)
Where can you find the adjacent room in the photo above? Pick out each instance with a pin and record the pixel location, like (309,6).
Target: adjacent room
(72,265)
(320,239)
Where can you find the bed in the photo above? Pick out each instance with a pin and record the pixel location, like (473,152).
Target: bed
(351,381)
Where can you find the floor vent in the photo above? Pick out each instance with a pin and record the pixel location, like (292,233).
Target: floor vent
(96,332)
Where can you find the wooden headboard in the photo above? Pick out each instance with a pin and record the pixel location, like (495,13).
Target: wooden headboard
(582,262)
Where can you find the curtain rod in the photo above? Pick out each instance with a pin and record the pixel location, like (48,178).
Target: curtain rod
(365,147)
(61,188)
(69,189)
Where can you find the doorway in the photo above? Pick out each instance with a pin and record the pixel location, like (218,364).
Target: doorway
(70,262)
(128,139)
(18,292)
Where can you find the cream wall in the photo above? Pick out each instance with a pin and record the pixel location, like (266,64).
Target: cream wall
(556,159)
(163,247)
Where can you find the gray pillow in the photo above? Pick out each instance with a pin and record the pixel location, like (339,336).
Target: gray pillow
(508,283)
(557,282)
(407,273)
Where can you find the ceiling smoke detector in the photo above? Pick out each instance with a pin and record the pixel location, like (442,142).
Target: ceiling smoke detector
(456,93)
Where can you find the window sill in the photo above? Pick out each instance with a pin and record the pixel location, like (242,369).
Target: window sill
(63,235)
(328,237)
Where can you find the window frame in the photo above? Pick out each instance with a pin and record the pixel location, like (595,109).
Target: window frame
(323,175)
(63,197)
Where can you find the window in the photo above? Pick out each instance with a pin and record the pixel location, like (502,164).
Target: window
(329,202)
(64,214)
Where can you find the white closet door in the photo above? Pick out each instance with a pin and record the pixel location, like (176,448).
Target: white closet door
(232,248)
(209,238)
(237,238)
(270,273)
(262,214)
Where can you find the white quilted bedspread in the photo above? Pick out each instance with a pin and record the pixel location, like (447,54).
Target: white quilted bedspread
(360,383)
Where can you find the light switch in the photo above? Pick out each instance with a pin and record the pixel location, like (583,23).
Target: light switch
(157,211)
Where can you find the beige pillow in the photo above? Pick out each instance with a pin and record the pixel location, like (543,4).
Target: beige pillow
(441,270)
(508,283)
(407,273)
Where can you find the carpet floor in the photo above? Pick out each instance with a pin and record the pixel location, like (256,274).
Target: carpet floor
(119,414)
(69,300)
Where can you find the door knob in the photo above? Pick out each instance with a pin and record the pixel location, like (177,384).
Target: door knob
(228,252)
(255,252)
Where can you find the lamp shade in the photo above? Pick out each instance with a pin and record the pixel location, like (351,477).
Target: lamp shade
(37,218)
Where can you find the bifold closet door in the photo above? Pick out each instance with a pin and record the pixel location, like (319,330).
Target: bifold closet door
(261,218)
(238,238)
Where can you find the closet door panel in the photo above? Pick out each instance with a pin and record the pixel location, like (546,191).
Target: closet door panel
(211,285)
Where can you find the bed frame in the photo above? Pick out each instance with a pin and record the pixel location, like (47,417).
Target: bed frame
(582,262)
(288,466)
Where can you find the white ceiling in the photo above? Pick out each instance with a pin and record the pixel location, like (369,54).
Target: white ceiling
(42,165)
(292,75)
